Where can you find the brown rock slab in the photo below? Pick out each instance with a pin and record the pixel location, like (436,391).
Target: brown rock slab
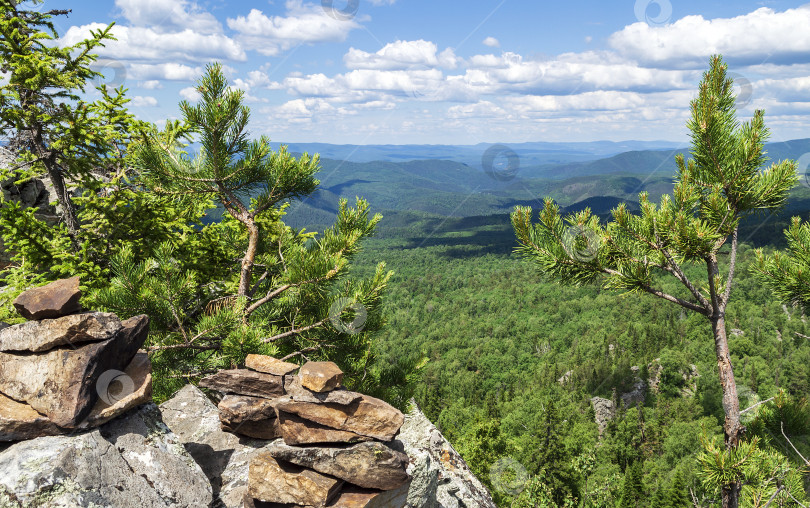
(20,421)
(38,336)
(62,383)
(367,416)
(297,431)
(320,376)
(57,299)
(127,390)
(269,365)
(245,382)
(293,388)
(350,496)
(249,416)
(277,482)
(371,465)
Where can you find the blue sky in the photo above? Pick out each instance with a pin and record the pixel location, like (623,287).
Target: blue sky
(457,72)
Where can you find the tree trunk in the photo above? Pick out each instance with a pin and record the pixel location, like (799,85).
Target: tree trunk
(68,210)
(58,182)
(732,427)
(250,257)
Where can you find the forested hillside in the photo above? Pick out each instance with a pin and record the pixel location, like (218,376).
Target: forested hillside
(513,362)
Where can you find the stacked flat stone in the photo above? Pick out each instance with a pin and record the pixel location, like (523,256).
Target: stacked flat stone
(58,370)
(335,447)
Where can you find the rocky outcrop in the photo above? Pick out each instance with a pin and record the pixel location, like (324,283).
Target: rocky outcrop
(177,455)
(34,192)
(439,476)
(604,411)
(111,447)
(223,457)
(133,462)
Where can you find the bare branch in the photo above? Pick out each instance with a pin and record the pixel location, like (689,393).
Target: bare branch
(661,294)
(782,425)
(303,352)
(781,487)
(293,331)
(757,404)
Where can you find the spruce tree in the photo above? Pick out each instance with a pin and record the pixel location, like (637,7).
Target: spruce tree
(40,104)
(83,148)
(721,185)
(678,495)
(659,500)
(633,487)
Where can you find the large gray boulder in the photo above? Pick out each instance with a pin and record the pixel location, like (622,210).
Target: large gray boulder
(439,476)
(131,462)
(223,457)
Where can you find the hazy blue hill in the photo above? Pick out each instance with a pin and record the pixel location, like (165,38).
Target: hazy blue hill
(435,190)
(531,154)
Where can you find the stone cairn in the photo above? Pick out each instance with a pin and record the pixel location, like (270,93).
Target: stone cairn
(65,370)
(336,447)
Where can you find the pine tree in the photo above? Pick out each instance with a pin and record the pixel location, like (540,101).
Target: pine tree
(264,287)
(720,186)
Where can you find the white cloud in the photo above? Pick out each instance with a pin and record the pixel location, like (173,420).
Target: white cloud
(190,94)
(401,55)
(169,15)
(492,42)
(140,101)
(753,38)
(479,109)
(152,84)
(147,44)
(164,71)
(304,24)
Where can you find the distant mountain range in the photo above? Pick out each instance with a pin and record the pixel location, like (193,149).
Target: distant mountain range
(450,188)
(530,154)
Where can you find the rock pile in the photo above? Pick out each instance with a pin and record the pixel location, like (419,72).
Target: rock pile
(59,372)
(336,447)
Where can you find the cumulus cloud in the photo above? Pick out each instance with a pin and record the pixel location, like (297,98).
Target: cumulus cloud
(148,44)
(402,55)
(190,94)
(152,84)
(140,101)
(164,71)
(169,16)
(303,24)
(492,42)
(753,38)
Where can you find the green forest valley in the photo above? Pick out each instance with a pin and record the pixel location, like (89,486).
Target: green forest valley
(652,354)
